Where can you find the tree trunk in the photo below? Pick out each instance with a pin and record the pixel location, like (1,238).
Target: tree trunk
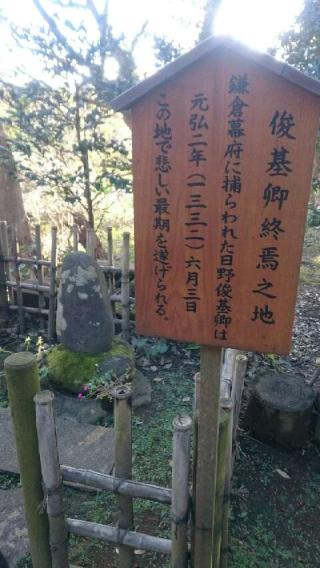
(11,203)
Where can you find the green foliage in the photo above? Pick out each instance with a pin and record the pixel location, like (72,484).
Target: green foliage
(9,480)
(149,348)
(313,218)
(302,43)
(63,133)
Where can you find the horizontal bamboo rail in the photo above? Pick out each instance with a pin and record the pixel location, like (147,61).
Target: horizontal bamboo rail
(30,310)
(117,485)
(29,286)
(119,536)
(30,261)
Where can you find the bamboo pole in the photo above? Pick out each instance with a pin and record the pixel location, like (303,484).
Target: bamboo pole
(196,401)
(29,286)
(225,417)
(239,374)
(52,479)
(110,246)
(29,310)
(18,282)
(30,261)
(23,384)
(116,484)
(4,243)
(52,295)
(237,387)
(207,450)
(39,273)
(224,548)
(180,491)
(3,288)
(119,536)
(125,289)
(75,238)
(111,274)
(91,242)
(123,464)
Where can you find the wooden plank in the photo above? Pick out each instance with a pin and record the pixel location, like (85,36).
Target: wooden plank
(230,178)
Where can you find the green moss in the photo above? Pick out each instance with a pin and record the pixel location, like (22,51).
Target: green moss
(70,371)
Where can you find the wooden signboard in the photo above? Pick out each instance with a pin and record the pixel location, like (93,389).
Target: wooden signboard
(223,147)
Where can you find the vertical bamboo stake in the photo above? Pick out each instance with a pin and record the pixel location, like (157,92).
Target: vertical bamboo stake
(23,384)
(207,450)
(225,417)
(91,242)
(237,387)
(239,374)
(226,500)
(5,251)
(52,479)
(123,464)
(18,283)
(125,290)
(52,293)
(110,274)
(42,302)
(196,401)
(180,491)
(3,289)
(110,246)
(75,238)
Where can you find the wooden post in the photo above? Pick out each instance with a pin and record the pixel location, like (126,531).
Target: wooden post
(91,242)
(180,491)
(207,450)
(225,417)
(123,464)
(42,302)
(52,295)
(125,290)
(18,283)
(23,384)
(75,238)
(52,479)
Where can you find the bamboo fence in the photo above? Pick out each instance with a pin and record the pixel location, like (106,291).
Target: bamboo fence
(44,281)
(123,535)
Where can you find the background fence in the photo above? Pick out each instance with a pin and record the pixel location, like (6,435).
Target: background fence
(28,284)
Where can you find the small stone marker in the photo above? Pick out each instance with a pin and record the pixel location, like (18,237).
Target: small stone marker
(84,315)
(280,410)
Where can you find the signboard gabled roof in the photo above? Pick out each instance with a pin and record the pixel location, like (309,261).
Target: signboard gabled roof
(131,96)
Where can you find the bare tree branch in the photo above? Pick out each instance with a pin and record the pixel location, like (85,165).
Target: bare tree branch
(59,35)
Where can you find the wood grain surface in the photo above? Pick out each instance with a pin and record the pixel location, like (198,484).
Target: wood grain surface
(272,155)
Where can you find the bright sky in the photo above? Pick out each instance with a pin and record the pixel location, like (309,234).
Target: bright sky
(254,22)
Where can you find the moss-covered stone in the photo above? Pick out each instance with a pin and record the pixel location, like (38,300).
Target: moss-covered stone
(69,371)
